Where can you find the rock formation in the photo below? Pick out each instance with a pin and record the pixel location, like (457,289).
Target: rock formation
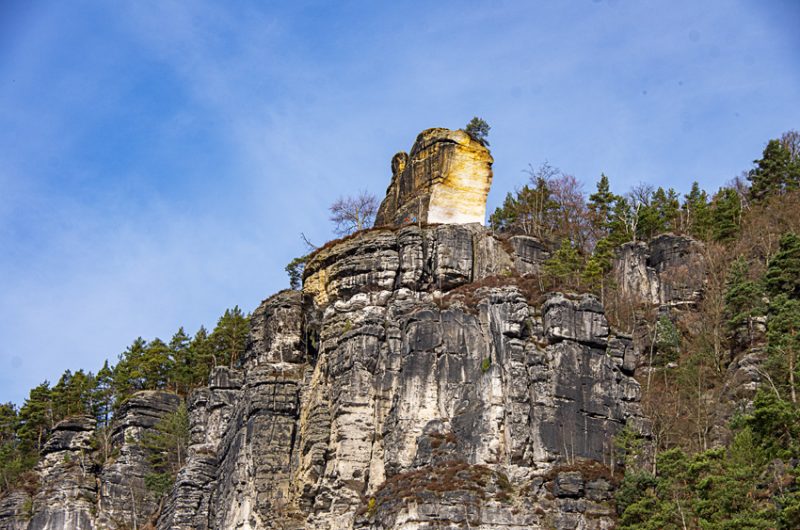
(445,179)
(417,381)
(123,498)
(381,399)
(15,510)
(67,491)
(669,270)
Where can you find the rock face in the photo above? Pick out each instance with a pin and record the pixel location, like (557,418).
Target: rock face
(416,382)
(375,399)
(14,510)
(123,500)
(668,271)
(67,492)
(445,179)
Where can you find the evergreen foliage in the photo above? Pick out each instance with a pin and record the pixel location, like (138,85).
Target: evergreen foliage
(744,301)
(179,366)
(783,274)
(229,338)
(726,212)
(776,172)
(564,267)
(695,212)
(295,271)
(167,444)
(478,130)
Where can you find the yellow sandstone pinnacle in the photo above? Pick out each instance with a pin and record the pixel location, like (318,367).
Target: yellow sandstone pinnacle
(445,179)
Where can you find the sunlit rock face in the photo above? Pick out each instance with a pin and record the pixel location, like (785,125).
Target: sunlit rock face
(415,384)
(445,179)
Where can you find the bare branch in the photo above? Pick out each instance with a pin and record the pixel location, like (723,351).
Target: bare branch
(310,246)
(351,214)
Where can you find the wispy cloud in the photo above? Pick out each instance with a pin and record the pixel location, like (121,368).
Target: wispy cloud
(159,159)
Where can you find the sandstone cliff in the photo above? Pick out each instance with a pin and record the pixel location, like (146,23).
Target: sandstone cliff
(418,380)
(382,400)
(444,179)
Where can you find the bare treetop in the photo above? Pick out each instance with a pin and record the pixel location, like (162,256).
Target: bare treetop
(351,214)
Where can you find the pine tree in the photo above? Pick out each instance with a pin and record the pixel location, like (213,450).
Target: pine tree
(775,173)
(229,338)
(695,212)
(783,272)
(478,130)
(601,204)
(783,334)
(103,395)
(203,357)
(504,217)
(565,265)
(782,283)
(9,452)
(72,395)
(624,221)
(726,214)
(180,378)
(36,418)
(129,376)
(167,445)
(744,300)
(295,270)
(156,365)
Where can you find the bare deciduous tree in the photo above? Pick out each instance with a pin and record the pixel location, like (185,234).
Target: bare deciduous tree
(572,218)
(791,141)
(350,214)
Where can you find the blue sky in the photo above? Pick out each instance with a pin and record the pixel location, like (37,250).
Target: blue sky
(158,160)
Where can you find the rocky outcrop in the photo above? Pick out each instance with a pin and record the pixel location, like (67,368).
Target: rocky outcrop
(419,380)
(376,400)
(669,270)
(16,507)
(66,497)
(410,259)
(415,382)
(210,412)
(123,499)
(529,254)
(445,179)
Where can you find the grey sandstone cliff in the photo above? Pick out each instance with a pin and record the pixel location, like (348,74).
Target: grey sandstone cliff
(67,492)
(15,508)
(123,500)
(378,398)
(669,270)
(417,381)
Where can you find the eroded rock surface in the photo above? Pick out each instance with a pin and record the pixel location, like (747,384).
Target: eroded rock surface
(445,179)
(669,271)
(15,510)
(373,400)
(66,497)
(124,501)
(413,383)
(210,413)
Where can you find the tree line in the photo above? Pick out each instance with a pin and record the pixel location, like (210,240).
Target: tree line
(179,365)
(586,231)
(750,229)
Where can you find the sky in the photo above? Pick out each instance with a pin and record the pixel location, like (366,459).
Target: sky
(160,159)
